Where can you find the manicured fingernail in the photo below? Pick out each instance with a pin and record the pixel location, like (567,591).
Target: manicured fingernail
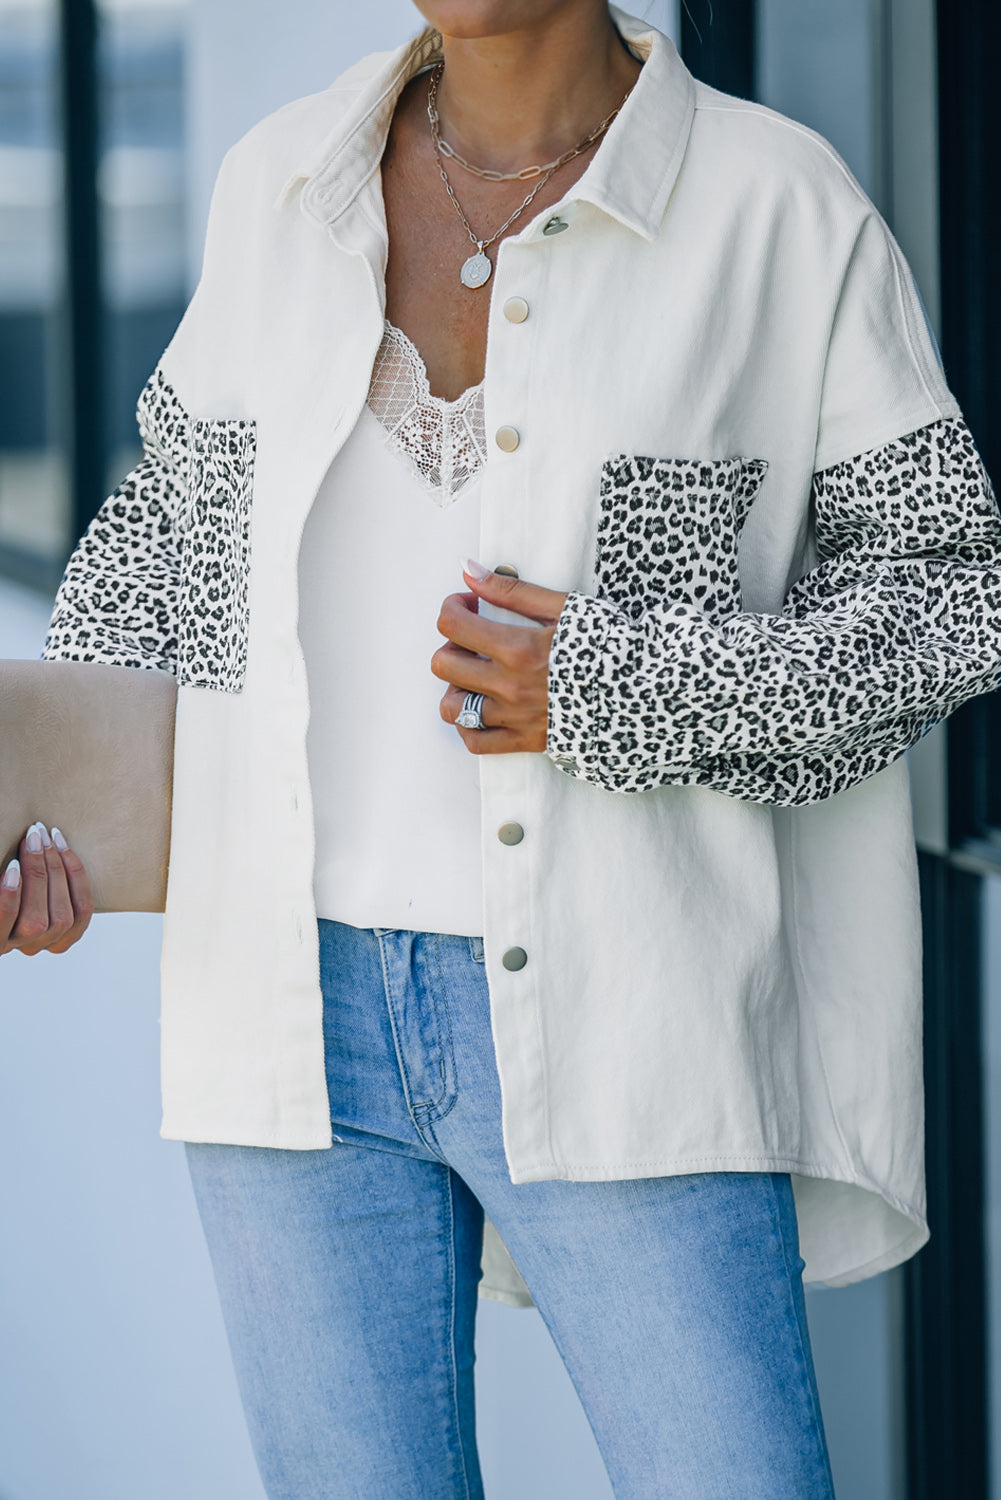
(59,841)
(12,876)
(34,840)
(43,834)
(475,569)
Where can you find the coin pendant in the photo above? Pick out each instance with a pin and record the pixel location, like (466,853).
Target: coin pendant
(476,270)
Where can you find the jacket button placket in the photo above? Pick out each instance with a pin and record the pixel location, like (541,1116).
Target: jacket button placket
(507,533)
(515,310)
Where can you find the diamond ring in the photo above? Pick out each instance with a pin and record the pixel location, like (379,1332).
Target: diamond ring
(469,716)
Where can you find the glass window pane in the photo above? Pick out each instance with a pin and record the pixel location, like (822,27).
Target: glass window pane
(141,183)
(33,484)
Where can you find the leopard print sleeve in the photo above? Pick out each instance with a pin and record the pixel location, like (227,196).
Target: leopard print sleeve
(897,625)
(117,602)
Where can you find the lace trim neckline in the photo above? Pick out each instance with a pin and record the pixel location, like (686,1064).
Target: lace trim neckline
(444,441)
(420,369)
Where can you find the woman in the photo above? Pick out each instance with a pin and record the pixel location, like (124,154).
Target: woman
(614,937)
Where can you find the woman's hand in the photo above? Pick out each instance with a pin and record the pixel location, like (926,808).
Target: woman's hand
(45,897)
(508,664)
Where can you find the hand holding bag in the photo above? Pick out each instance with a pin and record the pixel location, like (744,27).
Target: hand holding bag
(90,749)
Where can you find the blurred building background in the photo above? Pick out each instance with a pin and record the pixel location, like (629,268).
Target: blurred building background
(114,1377)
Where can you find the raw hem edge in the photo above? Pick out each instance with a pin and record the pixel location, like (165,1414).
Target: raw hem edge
(659,1167)
(510,1299)
(207,1135)
(895,1256)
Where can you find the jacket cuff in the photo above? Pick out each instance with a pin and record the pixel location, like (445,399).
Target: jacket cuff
(574,728)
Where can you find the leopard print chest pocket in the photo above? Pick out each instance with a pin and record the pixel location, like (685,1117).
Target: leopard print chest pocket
(668,530)
(213,604)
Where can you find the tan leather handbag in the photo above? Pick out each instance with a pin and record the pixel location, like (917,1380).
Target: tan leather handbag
(91,750)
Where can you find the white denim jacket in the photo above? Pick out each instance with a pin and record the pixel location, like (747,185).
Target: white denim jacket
(738,451)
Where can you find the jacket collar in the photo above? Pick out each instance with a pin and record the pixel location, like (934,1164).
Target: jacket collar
(630,176)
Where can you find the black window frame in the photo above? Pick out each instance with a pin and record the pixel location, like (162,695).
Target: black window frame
(94,349)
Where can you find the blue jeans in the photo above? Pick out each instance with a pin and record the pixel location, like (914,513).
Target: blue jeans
(348,1277)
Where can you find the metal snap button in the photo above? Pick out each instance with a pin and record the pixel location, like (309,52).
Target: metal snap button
(515,959)
(508,569)
(510,833)
(516,309)
(507,439)
(555,226)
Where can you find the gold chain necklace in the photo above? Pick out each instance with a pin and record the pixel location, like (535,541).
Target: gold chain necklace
(526,173)
(477,268)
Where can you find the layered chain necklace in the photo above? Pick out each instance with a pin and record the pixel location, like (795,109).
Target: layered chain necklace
(477,268)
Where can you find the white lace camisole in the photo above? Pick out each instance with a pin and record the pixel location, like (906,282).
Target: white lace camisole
(395,792)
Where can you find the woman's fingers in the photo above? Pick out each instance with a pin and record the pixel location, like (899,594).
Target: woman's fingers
(451,703)
(33,918)
(56,904)
(528,599)
(460,623)
(508,664)
(505,730)
(80,894)
(10,902)
(463,669)
(60,901)
(495,738)
(493,741)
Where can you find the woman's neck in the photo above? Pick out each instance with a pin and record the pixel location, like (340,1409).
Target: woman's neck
(524,97)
